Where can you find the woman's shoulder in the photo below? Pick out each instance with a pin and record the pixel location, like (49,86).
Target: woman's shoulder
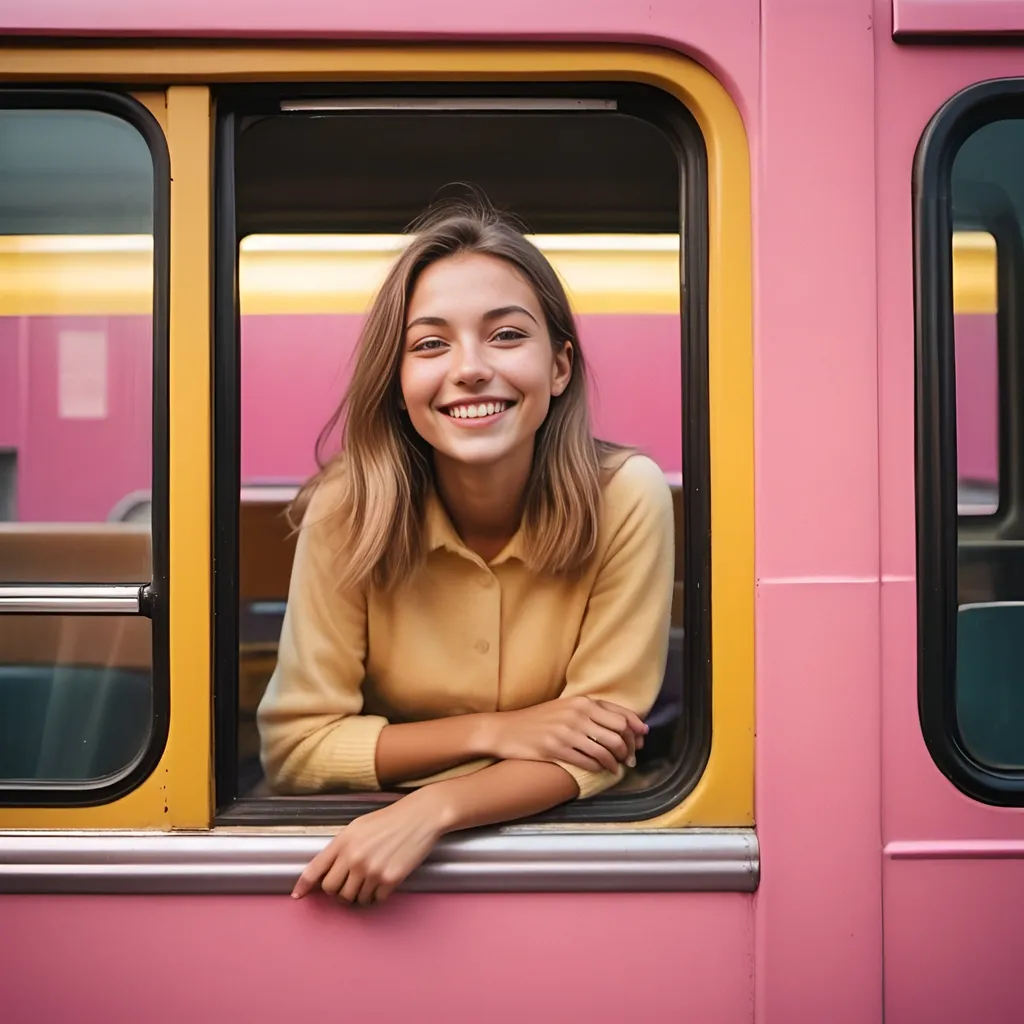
(633,483)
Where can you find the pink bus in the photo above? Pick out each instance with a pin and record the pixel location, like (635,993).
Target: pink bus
(792,236)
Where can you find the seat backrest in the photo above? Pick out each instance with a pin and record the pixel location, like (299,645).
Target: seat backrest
(990,682)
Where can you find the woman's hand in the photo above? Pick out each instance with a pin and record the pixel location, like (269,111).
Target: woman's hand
(366,860)
(590,734)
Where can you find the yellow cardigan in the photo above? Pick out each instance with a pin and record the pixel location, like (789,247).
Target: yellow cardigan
(464,635)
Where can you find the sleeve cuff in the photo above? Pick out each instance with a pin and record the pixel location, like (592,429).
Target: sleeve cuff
(346,757)
(592,783)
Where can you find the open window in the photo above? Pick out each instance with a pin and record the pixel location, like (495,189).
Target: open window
(970,440)
(314,192)
(84,182)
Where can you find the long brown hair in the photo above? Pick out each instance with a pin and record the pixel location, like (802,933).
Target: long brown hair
(385,469)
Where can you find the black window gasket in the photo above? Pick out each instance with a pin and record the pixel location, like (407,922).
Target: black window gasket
(683,133)
(156,595)
(938,524)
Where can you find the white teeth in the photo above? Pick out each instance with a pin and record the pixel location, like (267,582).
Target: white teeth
(462,412)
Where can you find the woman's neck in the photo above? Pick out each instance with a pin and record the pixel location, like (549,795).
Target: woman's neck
(485,503)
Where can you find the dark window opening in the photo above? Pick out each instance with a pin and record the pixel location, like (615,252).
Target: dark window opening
(299,190)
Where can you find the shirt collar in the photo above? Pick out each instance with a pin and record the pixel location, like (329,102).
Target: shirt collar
(441,533)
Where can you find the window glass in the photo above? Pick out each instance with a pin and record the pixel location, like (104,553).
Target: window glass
(975,327)
(76,413)
(322,205)
(76,312)
(76,696)
(988,209)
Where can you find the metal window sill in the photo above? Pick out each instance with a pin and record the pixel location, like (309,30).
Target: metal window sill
(504,860)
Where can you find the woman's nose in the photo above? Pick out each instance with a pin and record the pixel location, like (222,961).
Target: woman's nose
(472,366)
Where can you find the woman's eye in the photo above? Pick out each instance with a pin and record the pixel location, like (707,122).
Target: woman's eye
(509,334)
(428,345)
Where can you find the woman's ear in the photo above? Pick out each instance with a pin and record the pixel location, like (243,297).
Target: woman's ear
(561,371)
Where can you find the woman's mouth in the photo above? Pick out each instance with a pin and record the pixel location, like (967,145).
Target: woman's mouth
(474,413)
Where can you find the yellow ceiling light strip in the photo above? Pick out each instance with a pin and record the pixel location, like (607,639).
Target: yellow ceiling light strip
(975,287)
(112,275)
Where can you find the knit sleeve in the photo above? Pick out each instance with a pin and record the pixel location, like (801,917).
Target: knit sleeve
(312,734)
(623,642)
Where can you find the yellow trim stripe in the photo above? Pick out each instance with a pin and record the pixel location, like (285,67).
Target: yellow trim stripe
(52,275)
(188,759)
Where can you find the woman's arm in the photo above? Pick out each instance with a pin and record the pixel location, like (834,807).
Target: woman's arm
(587,734)
(369,858)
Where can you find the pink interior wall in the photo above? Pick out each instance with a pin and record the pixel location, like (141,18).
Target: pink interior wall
(72,467)
(295,368)
(977,397)
(10,378)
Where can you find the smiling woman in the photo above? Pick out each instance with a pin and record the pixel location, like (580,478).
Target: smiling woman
(467,462)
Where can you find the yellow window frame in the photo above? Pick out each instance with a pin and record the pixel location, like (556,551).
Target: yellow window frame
(178,795)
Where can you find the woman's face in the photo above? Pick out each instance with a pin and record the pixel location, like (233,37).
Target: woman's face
(478,368)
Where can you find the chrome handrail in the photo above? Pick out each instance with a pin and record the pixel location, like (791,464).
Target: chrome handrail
(73,598)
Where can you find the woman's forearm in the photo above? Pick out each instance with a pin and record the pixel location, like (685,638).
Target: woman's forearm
(502,792)
(412,750)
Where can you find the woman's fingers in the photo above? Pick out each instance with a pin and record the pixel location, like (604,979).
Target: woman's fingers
(618,745)
(336,877)
(632,719)
(617,726)
(368,892)
(600,753)
(354,882)
(579,759)
(314,871)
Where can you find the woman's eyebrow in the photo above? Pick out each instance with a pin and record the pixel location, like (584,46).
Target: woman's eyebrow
(497,314)
(429,321)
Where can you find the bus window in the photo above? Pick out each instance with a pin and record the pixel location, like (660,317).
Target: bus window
(971,448)
(79,188)
(322,200)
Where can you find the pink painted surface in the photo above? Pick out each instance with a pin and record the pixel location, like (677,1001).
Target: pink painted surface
(977,397)
(818,908)
(294,370)
(723,34)
(957,17)
(501,959)
(815,359)
(953,942)
(818,928)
